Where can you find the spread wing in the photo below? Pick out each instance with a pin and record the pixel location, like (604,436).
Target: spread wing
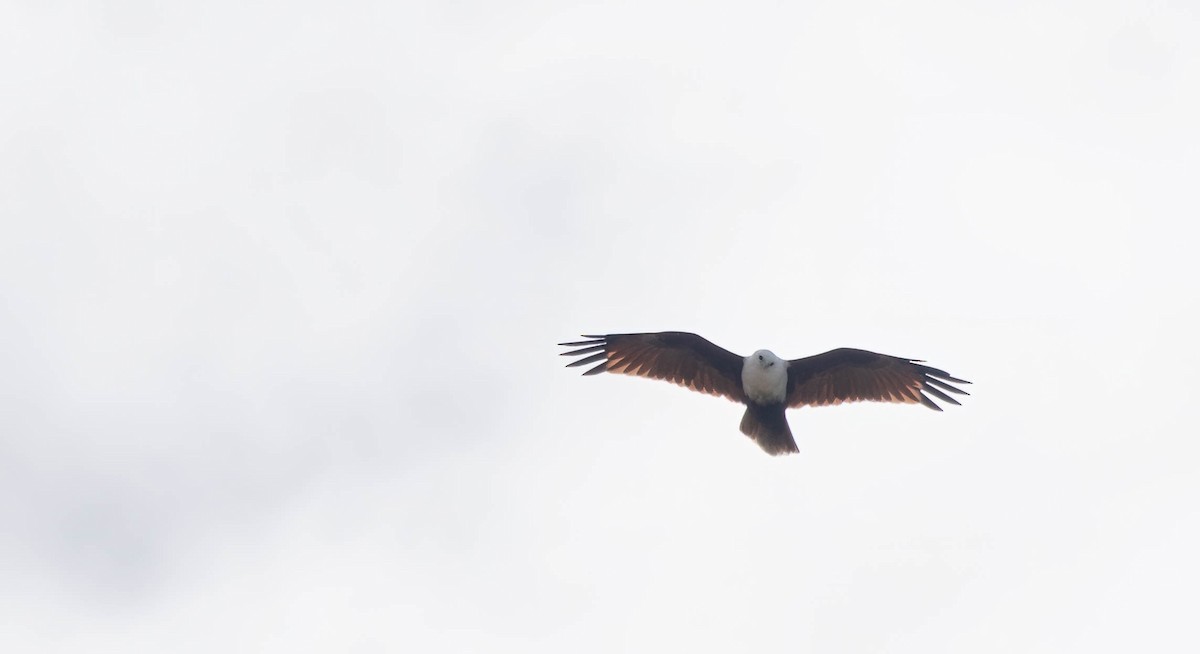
(678,357)
(849,375)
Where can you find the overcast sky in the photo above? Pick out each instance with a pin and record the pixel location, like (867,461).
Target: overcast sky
(280,287)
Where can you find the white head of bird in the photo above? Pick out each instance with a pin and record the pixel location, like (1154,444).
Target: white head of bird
(764,377)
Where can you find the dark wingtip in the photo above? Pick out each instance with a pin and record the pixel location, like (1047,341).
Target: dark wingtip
(583,350)
(940,395)
(595,347)
(592,338)
(586,360)
(933,381)
(928,402)
(945,376)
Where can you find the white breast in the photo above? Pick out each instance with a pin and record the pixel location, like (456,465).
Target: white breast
(764,379)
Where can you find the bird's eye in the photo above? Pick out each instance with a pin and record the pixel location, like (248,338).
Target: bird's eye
(760,357)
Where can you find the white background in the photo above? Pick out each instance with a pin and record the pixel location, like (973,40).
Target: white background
(281,285)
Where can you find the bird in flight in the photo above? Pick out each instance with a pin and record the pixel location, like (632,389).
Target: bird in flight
(766,384)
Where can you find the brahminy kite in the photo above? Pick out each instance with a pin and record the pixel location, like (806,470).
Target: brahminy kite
(766,384)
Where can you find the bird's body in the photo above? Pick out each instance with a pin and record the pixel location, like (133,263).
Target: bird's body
(765,383)
(762,380)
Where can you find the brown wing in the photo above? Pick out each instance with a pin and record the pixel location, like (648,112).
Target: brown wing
(849,375)
(678,357)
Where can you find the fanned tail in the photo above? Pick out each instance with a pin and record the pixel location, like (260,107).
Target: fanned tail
(768,426)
